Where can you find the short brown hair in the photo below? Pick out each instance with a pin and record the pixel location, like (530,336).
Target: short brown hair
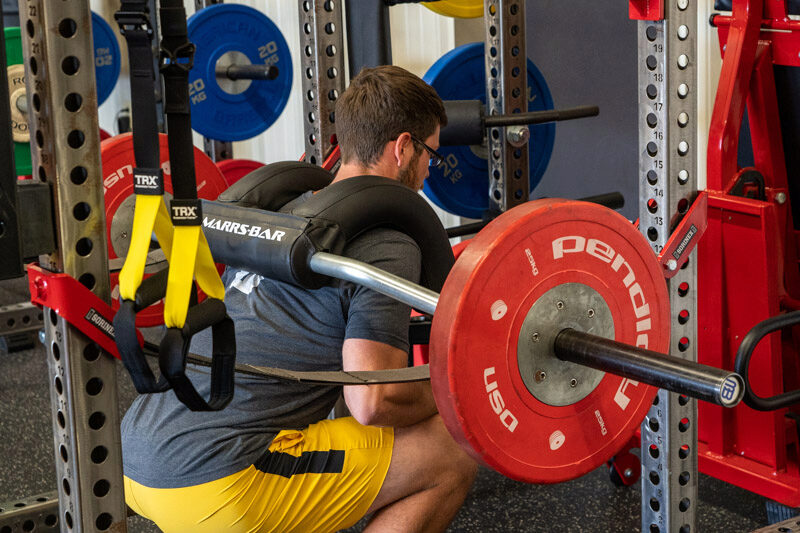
(380,104)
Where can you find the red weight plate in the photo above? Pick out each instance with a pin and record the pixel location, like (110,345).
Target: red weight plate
(118,162)
(484,303)
(236,169)
(104,134)
(421,356)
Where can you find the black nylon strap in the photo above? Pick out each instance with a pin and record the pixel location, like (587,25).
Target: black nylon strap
(176,60)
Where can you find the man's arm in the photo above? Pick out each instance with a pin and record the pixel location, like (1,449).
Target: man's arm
(395,404)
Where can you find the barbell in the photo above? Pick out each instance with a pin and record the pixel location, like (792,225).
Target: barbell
(547,339)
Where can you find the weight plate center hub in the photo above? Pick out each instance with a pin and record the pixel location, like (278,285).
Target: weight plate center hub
(548,378)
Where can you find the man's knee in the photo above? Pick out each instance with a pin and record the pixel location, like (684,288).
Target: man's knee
(459,467)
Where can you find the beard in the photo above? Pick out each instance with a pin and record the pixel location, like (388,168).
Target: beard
(409,176)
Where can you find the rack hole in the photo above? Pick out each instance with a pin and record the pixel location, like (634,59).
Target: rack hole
(81,211)
(652,233)
(652,120)
(42,174)
(514,29)
(84,246)
(73,102)
(683,425)
(56,353)
(654,478)
(94,386)
(652,205)
(34,66)
(91,352)
(309,73)
(330,50)
(39,138)
(684,478)
(684,505)
(683,316)
(654,504)
(330,28)
(37,102)
(101,488)
(683,289)
(492,30)
(651,33)
(87,280)
(78,175)
(28,525)
(651,91)
(67,28)
(329,5)
(64,454)
(654,452)
(75,139)
(29,26)
(333,72)
(651,62)
(333,94)
(654,529)
(59,387)
(68,519)
(50,520)
(97,420)
(65,484)
(70,65)
(308,50)
(683,451)
(307,28)
(62,423)
(683,400)
(514,9)
(683,344)
(99,454)
(103,521)
(53,317)
(652,149)
(652,177)
(653,423)
(683,205)
(514,51)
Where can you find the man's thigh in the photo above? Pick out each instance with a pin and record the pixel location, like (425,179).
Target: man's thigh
(322,478)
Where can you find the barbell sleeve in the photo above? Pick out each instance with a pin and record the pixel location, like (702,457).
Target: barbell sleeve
(248,72)
(703,382)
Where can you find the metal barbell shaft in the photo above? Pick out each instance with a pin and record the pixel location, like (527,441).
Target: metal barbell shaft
(248,72)
(703,382)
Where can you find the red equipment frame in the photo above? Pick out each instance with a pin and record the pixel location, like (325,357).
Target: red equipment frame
(748,260)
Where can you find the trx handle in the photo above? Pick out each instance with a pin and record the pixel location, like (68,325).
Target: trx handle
(190,258)
(175,346)
(745,352)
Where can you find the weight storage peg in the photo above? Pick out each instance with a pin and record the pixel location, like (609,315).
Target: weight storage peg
(235,92)
(467,121)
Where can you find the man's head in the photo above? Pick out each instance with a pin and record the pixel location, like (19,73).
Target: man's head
(384,119)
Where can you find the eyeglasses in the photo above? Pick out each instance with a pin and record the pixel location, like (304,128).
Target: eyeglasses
(436,159)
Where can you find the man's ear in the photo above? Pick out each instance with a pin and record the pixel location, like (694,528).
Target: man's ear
(401,148)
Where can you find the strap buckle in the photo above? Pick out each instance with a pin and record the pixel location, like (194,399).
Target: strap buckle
(129,21)
(180,58)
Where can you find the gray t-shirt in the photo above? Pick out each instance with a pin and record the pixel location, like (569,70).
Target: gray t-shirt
(165,445)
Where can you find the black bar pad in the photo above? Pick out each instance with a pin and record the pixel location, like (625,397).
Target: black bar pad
(273,186)
(361,203)
(274,245)
(464,123)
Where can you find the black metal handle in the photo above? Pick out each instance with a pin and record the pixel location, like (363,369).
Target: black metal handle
(745,352)
(248,72)
(703,382)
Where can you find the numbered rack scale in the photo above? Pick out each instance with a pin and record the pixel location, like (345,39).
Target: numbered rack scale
(667,89)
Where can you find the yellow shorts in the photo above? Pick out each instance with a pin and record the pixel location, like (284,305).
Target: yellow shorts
(323,478)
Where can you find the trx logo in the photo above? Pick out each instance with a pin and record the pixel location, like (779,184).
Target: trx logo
(147,182)
(496,401)
(605,253)
(184,212)
(100,322)
(243,229)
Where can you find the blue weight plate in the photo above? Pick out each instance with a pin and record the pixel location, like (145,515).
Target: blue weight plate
(461,186)
(106,57)
(225,32)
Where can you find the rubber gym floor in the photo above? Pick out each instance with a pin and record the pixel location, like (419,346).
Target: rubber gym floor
(495,503)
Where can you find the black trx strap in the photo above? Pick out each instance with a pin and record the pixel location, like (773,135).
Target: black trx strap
(150,213)
(190,255)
